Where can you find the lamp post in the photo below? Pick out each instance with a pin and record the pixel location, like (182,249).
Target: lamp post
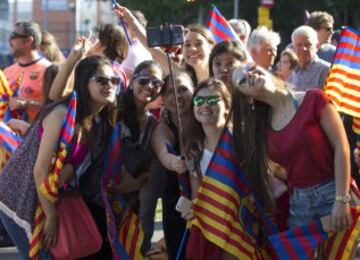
(236,9)
(46,10)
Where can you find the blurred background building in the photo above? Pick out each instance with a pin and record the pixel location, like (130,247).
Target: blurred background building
(60,17)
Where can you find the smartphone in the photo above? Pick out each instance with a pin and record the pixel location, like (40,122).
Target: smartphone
(165,36)
(183,205)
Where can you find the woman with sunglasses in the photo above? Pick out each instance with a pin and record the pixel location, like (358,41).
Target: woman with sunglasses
(197,45)
(166,143)
(31,162)
(211,104)
(111,44)
(137,122)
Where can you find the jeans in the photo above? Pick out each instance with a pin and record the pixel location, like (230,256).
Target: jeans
(311,203)
(18,236)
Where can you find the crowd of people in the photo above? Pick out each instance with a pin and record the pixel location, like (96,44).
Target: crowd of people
(286,136)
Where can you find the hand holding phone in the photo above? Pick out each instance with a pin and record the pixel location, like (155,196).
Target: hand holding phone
(183,205)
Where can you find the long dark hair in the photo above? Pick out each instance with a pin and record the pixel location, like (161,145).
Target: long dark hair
(127,111)
(249,124)
(83,119)
(203,31)
(232,47)
(195,136)
(112,37)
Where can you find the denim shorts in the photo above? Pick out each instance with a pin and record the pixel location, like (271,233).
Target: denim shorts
(311,203)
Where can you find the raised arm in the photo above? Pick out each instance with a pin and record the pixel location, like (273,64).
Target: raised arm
(160,138)
(64,81)
(140,32)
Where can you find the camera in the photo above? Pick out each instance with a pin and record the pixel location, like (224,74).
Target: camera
(165,36)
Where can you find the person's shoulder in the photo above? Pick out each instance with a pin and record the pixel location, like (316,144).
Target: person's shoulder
(43,62)
(11,68)
(322,63)
(317,94)
(327,47)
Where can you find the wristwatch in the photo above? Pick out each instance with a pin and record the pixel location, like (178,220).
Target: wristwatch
(346,198)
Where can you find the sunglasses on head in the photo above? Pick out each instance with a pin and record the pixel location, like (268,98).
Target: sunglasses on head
(210,100)
(144,80)
(15,35)
(103,80)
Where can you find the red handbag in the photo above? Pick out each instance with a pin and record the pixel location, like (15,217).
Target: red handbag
(78,235)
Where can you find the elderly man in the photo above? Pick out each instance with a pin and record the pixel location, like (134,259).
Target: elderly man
(30,67)
(262,46)
(323,24)
(311,71)
(242,29)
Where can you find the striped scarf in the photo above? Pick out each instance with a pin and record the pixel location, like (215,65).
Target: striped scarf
(49,188)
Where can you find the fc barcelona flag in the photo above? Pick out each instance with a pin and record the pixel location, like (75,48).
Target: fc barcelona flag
(219,26)
(343,84)
(225,210)
(124,228)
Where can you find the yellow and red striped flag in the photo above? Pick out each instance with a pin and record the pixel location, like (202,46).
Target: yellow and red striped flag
(343,83)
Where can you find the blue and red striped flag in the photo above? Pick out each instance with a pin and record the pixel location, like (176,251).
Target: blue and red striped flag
(343,83)
(301,241)
(229,215)
(224,208)
(220,27)
(8,138)
(124,228)
(49,188)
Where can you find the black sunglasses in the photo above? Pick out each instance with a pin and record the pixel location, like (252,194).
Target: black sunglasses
(15,35)
(103,80)
(144,80)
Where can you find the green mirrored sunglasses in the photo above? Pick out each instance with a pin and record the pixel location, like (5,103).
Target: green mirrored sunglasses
(210,100)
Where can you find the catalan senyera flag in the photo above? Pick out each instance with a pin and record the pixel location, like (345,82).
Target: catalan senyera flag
(124,228)
(220,27)
(50,186)
(343,83)
(224,208)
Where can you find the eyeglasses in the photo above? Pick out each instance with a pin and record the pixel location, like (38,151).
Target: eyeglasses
(15,35)
(328,29)
(144,80)
(210,100)
(103,80)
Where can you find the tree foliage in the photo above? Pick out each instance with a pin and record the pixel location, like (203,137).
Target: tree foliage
(286,14)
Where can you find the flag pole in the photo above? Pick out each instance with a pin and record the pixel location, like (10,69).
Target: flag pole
(122,23)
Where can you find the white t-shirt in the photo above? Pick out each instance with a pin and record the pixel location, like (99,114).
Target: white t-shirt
(137,54)
(205,160)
